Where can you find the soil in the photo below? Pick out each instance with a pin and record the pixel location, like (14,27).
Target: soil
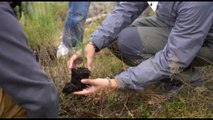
(75,83)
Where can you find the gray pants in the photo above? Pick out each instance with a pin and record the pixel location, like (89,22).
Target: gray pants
(144,38)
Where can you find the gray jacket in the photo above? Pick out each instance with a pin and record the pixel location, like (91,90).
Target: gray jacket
(190,23)
(21,76)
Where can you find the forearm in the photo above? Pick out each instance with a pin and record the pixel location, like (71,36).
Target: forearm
(122,16)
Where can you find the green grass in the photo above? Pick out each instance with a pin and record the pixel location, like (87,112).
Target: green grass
(43,29)
(44,25)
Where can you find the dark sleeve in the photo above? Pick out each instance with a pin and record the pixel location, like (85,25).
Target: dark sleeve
(21,76)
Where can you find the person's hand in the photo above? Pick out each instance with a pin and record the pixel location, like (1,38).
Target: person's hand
(90,53)
(76,58)
(96,85)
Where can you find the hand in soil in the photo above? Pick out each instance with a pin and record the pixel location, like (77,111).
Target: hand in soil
(75,84)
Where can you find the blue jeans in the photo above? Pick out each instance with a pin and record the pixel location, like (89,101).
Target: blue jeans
(75,22)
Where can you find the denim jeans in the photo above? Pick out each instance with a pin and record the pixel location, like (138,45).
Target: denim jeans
(74,24)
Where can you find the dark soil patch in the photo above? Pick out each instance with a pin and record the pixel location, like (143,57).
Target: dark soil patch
(75,83)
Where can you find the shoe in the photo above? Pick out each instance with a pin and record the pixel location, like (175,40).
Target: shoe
(63,51)
(165,90)
(167,85)
(169,88)
(190,77)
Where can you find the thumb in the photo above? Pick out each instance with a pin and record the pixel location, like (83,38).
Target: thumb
(89,64)
(90,61)
(88,81)
(90,52)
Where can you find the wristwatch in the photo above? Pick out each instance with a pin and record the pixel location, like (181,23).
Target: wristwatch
(96,48)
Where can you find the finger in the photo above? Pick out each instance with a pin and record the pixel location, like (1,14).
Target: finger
(83,92)
(70,62)
(89,64)
(69,66)
(90,58)
(88,81)
(87,91)
(73,61)
(90,51)
(95,82)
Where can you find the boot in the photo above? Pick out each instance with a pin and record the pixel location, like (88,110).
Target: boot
(190,77)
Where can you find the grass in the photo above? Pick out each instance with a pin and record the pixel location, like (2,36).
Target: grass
(43,29)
